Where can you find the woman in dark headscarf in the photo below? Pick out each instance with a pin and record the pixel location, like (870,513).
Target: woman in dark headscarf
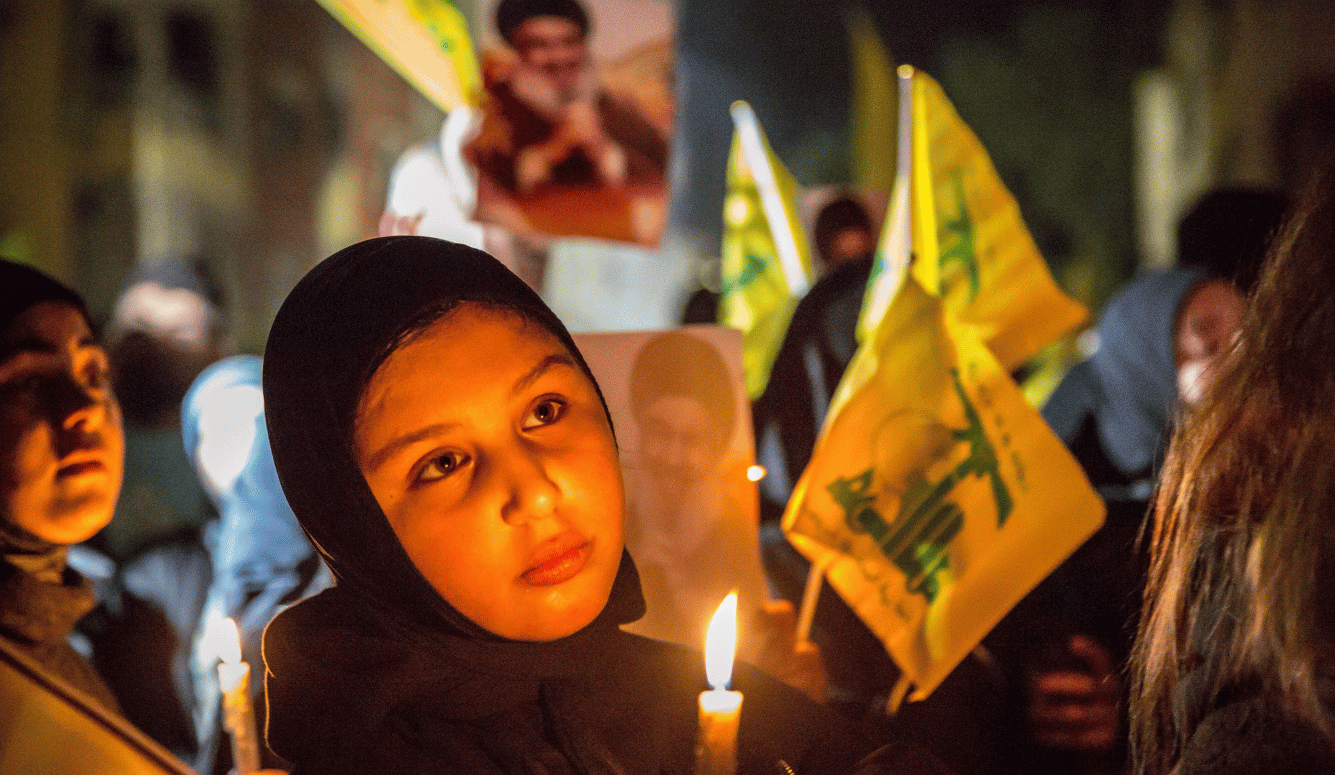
(61,452)
(444,445)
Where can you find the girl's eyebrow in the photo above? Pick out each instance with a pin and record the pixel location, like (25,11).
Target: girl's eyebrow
(397,445)
(524,382)
(35,350)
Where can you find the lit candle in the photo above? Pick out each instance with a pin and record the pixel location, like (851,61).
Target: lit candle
(720,709)
(238,713)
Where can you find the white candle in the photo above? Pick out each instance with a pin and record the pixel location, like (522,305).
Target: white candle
(720,709)
(238,712)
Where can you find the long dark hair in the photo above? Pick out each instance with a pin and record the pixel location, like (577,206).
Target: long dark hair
(1245,513)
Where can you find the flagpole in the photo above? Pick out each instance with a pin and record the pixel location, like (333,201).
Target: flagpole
(898,694)
(807,614)
(780,222)
(898,243)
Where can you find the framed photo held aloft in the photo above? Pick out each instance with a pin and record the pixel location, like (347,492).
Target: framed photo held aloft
(576,117)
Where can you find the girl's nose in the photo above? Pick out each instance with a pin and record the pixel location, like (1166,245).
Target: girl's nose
(80,407)
(532,495)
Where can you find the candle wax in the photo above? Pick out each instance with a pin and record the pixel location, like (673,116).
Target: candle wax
(716,751)
(239,716)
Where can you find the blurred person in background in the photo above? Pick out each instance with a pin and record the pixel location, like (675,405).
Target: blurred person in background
(818,346)
(1226,230)
(166,326)
(1065,643)
(844,237)
(261,559)
(1159,344)
(844,233)
(61,453)
(433,193)
(1234,662)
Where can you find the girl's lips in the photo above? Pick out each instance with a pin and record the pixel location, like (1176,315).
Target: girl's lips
(77,468)
(560,561)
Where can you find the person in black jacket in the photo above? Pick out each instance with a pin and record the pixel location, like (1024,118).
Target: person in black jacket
(441,440)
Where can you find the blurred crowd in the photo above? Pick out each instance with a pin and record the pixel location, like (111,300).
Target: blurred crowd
(141,503)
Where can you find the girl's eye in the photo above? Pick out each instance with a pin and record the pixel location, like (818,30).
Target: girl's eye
(440,466)
(546,412)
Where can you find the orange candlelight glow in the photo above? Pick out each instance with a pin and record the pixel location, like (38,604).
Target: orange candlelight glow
(222,637)
(720,709)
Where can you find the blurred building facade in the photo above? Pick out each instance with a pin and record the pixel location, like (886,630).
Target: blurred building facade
(258,134)
(1244,96)
(254,136)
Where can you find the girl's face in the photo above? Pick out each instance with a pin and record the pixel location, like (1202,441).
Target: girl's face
(488,450)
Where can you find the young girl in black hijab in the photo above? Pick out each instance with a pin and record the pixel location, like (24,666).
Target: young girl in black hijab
(446,448)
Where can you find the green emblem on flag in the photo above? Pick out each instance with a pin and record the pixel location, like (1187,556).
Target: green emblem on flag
(963,251)
(753,266)
(925,523)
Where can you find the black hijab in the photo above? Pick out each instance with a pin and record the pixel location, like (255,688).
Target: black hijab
(22,286)
(383,640)
(332,332)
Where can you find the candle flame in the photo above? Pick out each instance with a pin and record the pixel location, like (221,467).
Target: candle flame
(223,639)
(721,643)
(756,473)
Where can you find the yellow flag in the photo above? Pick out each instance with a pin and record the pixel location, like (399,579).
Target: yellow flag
(766,261)
(873,109)
(936,497)
(426,41)
(970,246)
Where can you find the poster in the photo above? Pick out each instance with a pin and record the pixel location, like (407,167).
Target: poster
(576,117)
(683,425)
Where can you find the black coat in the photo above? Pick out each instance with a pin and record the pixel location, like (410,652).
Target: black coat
(1255,737)
(349,693)
(38,617)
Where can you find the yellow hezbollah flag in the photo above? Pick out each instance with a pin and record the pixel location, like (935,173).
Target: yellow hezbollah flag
(873,92)
(426,41)
(766,262)
(970,246)
(936,497)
